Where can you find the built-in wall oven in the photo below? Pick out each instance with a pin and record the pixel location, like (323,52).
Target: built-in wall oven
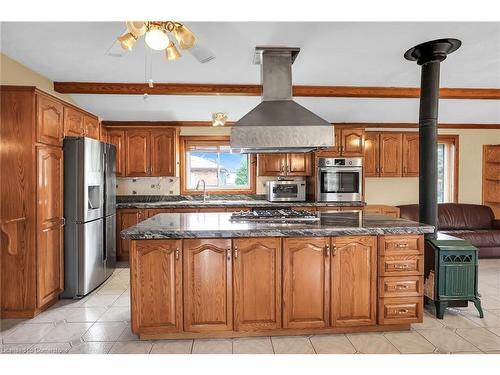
(339,179)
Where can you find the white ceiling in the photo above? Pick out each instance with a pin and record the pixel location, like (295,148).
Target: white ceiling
(361,54)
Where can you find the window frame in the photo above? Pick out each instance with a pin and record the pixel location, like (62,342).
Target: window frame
(452,154)
(224,140)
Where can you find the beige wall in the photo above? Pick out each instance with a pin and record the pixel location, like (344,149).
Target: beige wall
(14,73)
(395,191)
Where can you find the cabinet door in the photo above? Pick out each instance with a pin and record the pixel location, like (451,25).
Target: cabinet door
(117,138)
(126,218)
(391,150)
(272,164)
(298,164)
(354,281)
(257,283)
(208,292)
(73,122)
(157,303)
(50,251)
(163,157)
(371,164)
(305,282)
(352,142)
(137,153)
(410,154)
(50,121)
(91,126)
(104,134)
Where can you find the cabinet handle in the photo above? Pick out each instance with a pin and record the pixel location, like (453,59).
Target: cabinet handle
(401,287)
(403,311)
(236,252)
(382,170)
(405,169)
(402,245)
(334,250)
(282,168)
(63,221)
(177,253)
(401,266)
(327,250)
(228,253)
(377,169)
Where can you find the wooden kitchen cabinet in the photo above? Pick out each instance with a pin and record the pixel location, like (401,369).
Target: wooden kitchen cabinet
(73,123)
(126,217)
(411,154)
(371,162)
(50,121)
(137,153)
(163,152)
(50,221)
(383,154)
(117,138)
(353,281)
(91,127)
(306,270)
(157,304)
(257,283)
(295,164)
(348,143)
(207,285)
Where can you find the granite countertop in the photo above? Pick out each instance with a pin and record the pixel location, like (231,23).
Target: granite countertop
(218,225)
(141,201)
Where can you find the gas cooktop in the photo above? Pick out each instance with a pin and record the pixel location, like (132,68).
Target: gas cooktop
(275,215)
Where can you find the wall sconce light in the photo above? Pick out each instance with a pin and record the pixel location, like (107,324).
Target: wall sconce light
(219,118)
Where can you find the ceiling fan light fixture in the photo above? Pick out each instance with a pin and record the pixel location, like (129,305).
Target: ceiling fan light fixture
(157,39)
(138,28)
(184,36)
(127,41)
(171,52)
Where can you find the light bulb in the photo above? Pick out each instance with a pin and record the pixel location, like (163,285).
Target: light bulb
(157,39)
(171,52)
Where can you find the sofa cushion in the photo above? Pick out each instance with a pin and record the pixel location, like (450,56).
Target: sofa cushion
(479,237)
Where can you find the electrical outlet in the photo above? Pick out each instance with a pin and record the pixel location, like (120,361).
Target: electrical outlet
(171,192)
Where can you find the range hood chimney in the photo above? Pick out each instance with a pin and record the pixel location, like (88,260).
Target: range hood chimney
(279,124)
(429,55)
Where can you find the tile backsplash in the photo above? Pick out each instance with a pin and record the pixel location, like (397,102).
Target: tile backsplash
(147,186)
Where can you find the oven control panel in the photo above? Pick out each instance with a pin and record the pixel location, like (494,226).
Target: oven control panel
(340,162)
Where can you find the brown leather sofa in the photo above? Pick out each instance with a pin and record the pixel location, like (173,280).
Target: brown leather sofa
(472,222)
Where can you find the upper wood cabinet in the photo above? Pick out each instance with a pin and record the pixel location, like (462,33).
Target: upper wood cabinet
(411,154)
(158,301)
(50,221)
(257,283)
(348,142)
(137,153)
(306,270)
(383,154)
(295,164)
(73,122)
(50,121)
(207,285)
(354,281)
(91,127)
(117,138)
(163,157)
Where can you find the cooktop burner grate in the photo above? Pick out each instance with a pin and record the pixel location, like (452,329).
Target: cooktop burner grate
(276,215)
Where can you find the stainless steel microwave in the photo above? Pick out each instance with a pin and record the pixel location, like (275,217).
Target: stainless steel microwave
(286,191)
(339,179)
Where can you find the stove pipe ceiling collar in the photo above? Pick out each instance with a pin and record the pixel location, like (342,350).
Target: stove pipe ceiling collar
(278,123)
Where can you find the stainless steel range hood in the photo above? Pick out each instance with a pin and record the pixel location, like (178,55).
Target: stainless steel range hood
(279,124)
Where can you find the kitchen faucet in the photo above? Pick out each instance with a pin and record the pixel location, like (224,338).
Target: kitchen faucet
(205,195)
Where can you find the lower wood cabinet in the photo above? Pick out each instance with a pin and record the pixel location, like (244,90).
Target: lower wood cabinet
(207,285)
(157,268)
(354,281)
(306,270)
(257,283)
(126,218)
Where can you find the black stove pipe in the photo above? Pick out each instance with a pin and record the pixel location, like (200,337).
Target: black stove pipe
(429,55)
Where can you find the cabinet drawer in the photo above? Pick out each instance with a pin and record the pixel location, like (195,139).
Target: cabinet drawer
(400,310)
(401,245)
(407,286)
(412,265)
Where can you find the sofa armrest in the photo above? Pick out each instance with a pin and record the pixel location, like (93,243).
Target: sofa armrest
(495,224)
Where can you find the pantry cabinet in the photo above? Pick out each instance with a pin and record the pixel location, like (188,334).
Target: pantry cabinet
(294,164)
(208,284)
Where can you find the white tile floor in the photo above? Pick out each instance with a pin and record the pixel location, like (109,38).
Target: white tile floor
(100,323)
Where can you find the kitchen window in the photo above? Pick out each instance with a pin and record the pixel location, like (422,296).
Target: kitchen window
(210,159)
(447,168)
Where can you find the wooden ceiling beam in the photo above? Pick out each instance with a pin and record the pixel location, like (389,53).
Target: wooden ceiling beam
(255,90)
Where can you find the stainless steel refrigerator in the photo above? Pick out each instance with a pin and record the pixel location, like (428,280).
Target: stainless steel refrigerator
(90,213)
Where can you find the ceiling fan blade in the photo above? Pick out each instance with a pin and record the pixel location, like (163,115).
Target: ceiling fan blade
(116,50)
(201,53)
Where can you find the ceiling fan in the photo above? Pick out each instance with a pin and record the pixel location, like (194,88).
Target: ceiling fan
(160,36)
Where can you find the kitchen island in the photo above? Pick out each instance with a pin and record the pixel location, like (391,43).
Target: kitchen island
(203,275)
